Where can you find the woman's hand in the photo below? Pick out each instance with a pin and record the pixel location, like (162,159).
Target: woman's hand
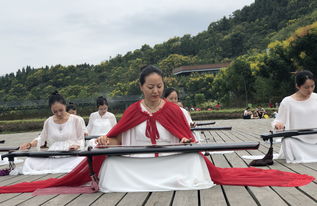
(103,140)
(74,147)
(25,146)
(279,126)
(185,140)
(28,145)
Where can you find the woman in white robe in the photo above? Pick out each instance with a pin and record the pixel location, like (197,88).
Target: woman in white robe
(171,95)
(299,111)
(62,131)
(141,173)
(102,121)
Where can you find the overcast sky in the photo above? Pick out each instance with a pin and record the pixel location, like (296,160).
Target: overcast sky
(50,32)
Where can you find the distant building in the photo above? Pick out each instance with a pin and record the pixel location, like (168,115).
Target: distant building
(209,68)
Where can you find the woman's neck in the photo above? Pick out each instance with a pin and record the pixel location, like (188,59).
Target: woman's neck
(152,104)
(62,119)
(153,107)
(300,97)
(101,115)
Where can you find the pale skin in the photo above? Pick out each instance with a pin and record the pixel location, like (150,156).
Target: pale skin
(102,109)
(71,111)
(60,116)
(303,93)
(172,97)
(152,90)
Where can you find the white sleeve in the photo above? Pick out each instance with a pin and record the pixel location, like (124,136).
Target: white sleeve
(37,138)
(90,123)
(187,116)
(113,120)
(80,138)
(84,126)
(42,138)
(282,115)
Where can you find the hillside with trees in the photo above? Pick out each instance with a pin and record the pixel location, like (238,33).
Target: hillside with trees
(265,42)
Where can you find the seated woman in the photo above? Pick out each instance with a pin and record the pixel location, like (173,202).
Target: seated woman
(247,114)
(299,111)
(71,108)
(62,131)
(171,95)
(146,173)
(102,121)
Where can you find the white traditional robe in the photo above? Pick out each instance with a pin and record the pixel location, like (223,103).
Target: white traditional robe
(58,137)
(100,125)
(298,115)
(144,172)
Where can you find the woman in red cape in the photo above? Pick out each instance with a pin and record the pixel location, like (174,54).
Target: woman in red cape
(155,114)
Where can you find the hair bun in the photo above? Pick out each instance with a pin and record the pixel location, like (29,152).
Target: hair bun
(143,68)
(55,93)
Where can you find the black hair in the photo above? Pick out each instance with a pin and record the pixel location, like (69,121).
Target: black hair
(102,101)
(56,97)
(168,91)
(302,76)
(247,108)
(71,106)
(147,70)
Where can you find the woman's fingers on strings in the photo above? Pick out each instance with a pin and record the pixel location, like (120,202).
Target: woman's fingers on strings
(74,147)
(185,140)
(103,140)
(25,146)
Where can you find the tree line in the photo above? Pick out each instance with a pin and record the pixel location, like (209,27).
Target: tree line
(260,40)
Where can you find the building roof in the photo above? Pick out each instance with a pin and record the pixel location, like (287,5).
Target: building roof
(199,68)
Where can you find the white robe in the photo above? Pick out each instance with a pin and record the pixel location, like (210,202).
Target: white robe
(58,137)
(144,172)
(298,115)
(100,125)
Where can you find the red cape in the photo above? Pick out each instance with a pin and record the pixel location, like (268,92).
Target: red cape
(171,118)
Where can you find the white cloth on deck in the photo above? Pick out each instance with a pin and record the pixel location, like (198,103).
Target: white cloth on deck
(144,172)
(58,137)
(298,115)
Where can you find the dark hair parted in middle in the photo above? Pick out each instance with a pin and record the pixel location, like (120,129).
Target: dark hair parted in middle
(302,76)
(147,70)
(71,106)
(168,91)
(102,101)
(56,98)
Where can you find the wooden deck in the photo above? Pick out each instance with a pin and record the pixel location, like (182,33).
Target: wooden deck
(243,130)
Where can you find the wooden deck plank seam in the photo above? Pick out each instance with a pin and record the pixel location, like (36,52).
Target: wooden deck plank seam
(172,199)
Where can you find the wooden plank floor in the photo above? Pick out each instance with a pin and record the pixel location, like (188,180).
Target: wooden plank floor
(243,130)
